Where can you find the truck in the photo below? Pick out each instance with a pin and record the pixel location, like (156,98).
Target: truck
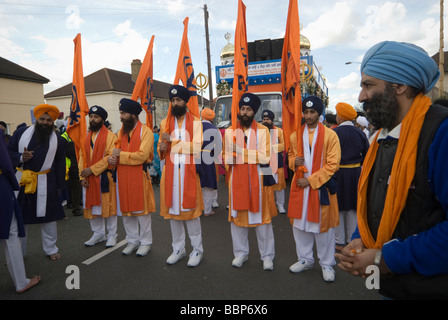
(265,81)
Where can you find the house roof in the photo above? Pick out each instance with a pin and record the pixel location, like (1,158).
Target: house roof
(11,70)
(105,80)
(436,59)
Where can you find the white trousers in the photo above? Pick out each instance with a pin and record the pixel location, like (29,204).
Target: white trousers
(49,234)
(280,197)
(324,244)
(14,257)
(138,229)
(347,225)
(100,226)
(194,232)
(265,240)
(208,197)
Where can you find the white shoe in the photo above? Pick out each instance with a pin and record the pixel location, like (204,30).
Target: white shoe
(215,204)
(239,261)
(94,240)
(129,249)
(268,265)
(111,242)
(301,265)
(195,258)
(176,256)
(281,209)
(143,250)
(328,274)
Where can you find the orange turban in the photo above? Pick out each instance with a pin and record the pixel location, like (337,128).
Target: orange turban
(346,111)
(46,108)
(207,114)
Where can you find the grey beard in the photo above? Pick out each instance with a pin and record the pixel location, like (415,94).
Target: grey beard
(382,109)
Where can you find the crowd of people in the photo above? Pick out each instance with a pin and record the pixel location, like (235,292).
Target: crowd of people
(366,190)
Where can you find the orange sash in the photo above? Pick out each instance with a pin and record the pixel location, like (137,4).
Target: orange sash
(295,205)
(189,192)
(403,171)
(130,178)
(93,192)
(245,184)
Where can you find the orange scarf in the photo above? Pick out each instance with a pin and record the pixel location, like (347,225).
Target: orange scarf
(189,192)
(93,192)
(245,184)
(403,171)
(295,206)
(130,181)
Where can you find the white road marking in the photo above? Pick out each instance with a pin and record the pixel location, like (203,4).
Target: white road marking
(104,253)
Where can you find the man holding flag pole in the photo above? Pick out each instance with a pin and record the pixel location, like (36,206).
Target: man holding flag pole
(133,150)
(314,155)
(180,187)
(246,149)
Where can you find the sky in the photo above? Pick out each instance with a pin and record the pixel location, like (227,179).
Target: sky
(39,34)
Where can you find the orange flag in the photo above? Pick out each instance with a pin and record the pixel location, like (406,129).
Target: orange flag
(240,78)
(291,94)
(185,73)
(76,127)
(144,85)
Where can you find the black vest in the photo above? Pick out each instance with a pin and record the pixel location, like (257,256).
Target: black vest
(422,210)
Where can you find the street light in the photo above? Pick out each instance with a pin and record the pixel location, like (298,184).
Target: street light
(350,62)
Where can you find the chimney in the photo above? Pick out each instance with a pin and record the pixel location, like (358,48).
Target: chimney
(135,69)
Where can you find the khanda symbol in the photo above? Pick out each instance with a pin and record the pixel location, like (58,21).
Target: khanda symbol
(149,95)
(74,107)
(191,85)
(242,81)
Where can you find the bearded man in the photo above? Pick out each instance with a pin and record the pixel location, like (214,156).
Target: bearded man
(98,186)
(251,202)
(135,195)
(38,153)
(180,188)
(403,190)
(277,159)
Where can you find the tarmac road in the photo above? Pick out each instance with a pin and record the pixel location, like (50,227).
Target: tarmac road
(117,277)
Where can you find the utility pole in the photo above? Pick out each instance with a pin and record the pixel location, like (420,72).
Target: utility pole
(441,53)
(207,41)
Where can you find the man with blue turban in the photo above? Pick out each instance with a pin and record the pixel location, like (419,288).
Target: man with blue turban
(402,192)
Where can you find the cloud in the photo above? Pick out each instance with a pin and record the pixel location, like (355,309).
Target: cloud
(348,82)
(73,21)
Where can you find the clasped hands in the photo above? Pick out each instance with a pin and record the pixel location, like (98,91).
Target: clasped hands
(355,258)
(114,158)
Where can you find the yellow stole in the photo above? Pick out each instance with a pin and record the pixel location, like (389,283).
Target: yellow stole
(403,171)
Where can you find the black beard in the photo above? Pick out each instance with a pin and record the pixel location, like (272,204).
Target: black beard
(247,122)
(178,111)
(95,127)
(269,126)
(128,126)
(43,132)
(382,109)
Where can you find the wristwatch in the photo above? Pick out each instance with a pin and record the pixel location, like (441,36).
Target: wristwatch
(378,256)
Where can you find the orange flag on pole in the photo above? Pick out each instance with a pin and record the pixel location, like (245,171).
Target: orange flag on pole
(291,94)
(185,73)
(240,78)
(76,127)
(144,85)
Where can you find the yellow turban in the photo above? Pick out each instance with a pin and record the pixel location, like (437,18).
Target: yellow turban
(46,108)
(207,114)
(346,111)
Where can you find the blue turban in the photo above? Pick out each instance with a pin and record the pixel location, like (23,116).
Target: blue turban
(402,63)
(251,100)
(179,92)
(313,102)
(130,106)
